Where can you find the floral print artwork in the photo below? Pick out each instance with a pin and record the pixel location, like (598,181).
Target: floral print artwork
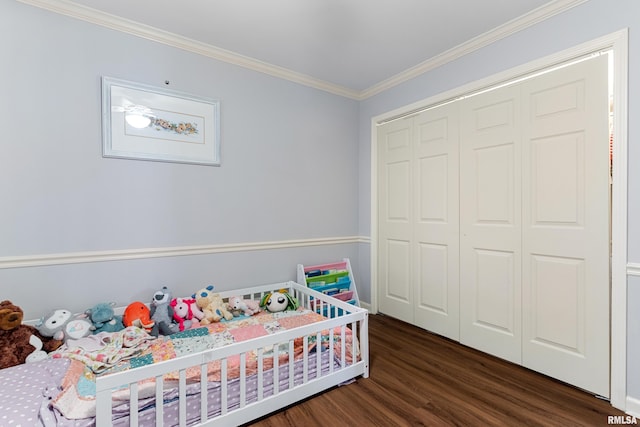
(179,128)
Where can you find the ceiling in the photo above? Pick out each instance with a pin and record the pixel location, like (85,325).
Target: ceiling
(347,46)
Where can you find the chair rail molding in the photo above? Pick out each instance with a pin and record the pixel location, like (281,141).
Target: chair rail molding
(633,269)
(39,260)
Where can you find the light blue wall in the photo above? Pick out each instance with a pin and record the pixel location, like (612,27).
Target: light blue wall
(289,156)
(583,23)
(294,164)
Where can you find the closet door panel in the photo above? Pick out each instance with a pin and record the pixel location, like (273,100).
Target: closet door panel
(566,225)
(553,304)
(495,286)
(436,225)
(490,220)
(395,219)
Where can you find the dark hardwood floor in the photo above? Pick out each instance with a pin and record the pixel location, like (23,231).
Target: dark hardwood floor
(421,379)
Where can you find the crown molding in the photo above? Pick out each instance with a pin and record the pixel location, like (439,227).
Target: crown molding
(117,23)
(535,16)
(94,16)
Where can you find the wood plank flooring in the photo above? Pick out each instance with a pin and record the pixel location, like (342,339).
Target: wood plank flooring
(421,379)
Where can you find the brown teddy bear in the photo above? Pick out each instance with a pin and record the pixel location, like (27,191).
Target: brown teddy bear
(20,343)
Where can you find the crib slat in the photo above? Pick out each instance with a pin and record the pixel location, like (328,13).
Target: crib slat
(103,408)
(291,364)
(354,342)
(331,351)
(276,370)
(260,374)
(305,359)
(318,354)
(243,379)
(133,404)
(203,393)
(159,401)
(182,397)
(343,346)
(223,386)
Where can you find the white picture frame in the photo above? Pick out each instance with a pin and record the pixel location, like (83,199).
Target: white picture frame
(143,122)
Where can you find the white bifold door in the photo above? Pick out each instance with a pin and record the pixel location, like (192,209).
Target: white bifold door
(566,225)
(419,220)
(493,222)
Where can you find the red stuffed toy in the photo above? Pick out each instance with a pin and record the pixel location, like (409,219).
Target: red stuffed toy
(138,314)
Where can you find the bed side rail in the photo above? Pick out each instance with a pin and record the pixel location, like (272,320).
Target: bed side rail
(293,379)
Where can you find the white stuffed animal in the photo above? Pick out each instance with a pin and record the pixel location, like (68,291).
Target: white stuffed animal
(279,301)
(62,325)
(238,306)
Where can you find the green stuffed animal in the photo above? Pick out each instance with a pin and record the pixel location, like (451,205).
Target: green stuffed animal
(279,301)
(104,318)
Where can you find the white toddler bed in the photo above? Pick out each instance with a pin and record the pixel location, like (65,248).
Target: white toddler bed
(321,345)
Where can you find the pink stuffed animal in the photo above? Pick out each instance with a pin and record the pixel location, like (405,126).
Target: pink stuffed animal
(186,313)
(239,306)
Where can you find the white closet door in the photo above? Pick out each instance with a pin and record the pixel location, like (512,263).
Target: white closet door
(490,221)
(566,225)
(532,274)
(436,218)
(395,219)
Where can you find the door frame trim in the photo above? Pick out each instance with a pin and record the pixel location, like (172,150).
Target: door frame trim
(618,43)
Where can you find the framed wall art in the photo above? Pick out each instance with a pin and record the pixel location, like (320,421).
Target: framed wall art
(144,122)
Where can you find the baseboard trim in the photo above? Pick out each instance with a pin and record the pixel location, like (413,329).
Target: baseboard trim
(366,306)
(145,253)
(633,406)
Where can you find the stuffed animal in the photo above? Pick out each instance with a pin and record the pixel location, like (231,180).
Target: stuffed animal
(162,313)
(104,319)
(20,343)
(186,313)
(212,305)
(238,306)
(279,301)
(62,325)
(188,308)
(193,306)
(138,314)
